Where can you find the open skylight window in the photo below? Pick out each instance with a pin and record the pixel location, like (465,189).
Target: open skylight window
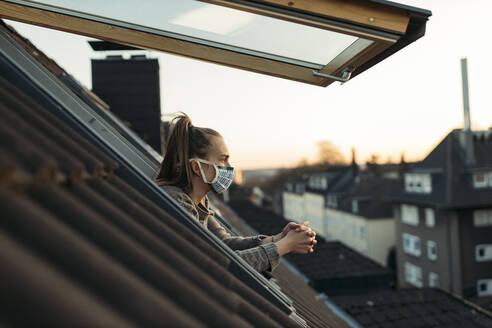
(304,41)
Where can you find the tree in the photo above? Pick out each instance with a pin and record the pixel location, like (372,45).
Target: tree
(302,162)
(329,154)
(373,159)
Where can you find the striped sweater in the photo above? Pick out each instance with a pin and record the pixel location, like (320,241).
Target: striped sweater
(258,251)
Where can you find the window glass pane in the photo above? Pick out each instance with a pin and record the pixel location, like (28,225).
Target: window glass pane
(207,22)
(479,180)
(429,217)
(433,279)
(482,218)
(411,244)
(483,252)
(409,214)
(432,250)
(484,287)
(413,274)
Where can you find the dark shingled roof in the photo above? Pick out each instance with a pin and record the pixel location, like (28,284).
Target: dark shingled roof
(305,299)
(451,177)
(333,267)
(81,246)
(372,195)
(424,307)
(100,246)
(339,178)
(382,307)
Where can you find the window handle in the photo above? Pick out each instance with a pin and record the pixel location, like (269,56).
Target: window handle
(347,72)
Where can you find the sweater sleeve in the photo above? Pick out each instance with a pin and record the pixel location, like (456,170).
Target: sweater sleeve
(258,251)
(236,242)
(262,258)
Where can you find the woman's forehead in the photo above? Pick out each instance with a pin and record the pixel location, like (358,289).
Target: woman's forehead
(219,147)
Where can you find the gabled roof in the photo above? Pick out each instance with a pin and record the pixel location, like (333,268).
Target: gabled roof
(425,307)
(452,184)
(339,178)
(372,195)
(84,246)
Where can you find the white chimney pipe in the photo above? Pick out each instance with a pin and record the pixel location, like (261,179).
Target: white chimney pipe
(466,138)
(466,97)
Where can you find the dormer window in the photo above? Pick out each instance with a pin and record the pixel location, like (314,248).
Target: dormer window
(418,183)
(324,183)
(317,182)
(482,179)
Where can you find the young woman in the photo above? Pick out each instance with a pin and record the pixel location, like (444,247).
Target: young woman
(197,161)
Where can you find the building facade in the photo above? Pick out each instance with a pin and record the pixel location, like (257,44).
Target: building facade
(444,218)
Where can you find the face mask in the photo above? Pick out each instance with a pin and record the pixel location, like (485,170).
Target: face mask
(224,175)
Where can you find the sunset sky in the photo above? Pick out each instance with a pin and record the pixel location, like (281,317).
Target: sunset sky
(406,103)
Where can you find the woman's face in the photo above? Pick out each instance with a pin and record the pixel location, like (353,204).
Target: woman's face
(218,154)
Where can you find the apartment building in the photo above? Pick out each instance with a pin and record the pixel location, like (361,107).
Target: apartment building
(444,218)
(345,204)
(364,219)
(306,197)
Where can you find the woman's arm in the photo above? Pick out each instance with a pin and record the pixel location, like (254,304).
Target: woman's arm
(236,243)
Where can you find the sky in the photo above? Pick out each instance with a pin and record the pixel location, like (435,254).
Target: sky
(405,104)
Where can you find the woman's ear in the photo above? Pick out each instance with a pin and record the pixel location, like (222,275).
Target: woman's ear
(194,168)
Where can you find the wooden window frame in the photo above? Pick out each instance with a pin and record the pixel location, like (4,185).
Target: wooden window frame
(382,24)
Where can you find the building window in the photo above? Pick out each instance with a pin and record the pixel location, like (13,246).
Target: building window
(299,187)
(418,183)
(363,232)
(318,182)
(355,206)
(482,179)
(411,244)
(484,287)
(413,274)
(430,217)
(410,214)
(482,218)
(331,201)
(324,183)
(483,252)
(433,279)
(432,250)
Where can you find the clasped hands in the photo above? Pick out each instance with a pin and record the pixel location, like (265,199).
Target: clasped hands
(296,238)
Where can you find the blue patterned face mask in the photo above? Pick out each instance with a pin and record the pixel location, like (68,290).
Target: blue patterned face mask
(224,175)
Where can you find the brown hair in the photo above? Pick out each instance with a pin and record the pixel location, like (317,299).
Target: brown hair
(185,141)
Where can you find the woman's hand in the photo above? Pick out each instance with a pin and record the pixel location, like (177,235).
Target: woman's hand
(300,242)
(291,226)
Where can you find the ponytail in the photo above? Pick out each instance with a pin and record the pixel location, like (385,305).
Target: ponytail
(185,141)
